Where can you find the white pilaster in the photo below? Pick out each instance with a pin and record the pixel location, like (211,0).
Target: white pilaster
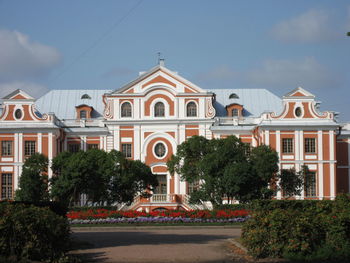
(16,148)
(136,142)
(116,138)
(40,142)
(50,152)
(320,165)
(267,137)
(332,165)
(20,147)
(15,178)
(278,150)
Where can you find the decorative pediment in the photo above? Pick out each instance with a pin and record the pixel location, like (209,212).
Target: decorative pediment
(157,76)
(18,95)
(298,93)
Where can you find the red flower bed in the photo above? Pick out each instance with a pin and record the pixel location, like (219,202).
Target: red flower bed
(104,213)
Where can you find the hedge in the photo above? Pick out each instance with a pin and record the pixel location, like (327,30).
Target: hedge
(30,232)
(307,230)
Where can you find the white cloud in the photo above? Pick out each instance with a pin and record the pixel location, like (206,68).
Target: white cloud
(289,74)
(33,89)
(23,59)
(312,26)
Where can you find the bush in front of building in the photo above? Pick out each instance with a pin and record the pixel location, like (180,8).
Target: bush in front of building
(33,233)
(299,230)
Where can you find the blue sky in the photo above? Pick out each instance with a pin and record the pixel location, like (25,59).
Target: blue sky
(84,44)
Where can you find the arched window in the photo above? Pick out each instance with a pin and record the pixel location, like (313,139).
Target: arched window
(83,114)
(126,109)
(159,110)
(191,109)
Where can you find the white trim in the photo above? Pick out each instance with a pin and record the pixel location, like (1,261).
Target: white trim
(310,157)
(267,137)
(6,169)
(18,107)
(20,147)
(126,139)
(287,157)
(6,159)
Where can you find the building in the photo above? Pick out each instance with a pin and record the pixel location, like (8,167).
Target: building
(147,118)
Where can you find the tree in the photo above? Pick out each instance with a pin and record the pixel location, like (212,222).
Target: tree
(101,176)
(292,182)
(33,181)
(226,168)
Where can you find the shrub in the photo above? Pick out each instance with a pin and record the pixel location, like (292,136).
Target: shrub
(299,230)
(29,232)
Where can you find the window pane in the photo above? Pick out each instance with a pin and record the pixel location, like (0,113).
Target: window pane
(159,110)
(191,109)
(83,114)
(310,145)
(126,109)
(126,150)
(6,186)
(6,148)
(29,148)
(235,113)
(92,146)
(159,150)
(74,147)
(287,145)
(310,184)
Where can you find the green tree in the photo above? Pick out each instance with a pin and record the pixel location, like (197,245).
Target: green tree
(226,168)
(101,176)
(33,181)
(292,182)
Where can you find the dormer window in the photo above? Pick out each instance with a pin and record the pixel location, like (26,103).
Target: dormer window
(83,111)
(234,110)
(85,96)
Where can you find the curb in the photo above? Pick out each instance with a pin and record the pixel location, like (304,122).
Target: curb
(237,244)
(119,228)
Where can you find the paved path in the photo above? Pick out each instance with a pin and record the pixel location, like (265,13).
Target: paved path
(157,244)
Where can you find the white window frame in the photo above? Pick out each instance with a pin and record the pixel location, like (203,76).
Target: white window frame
(197,108)
(154,150)
(166,108)
(121,111)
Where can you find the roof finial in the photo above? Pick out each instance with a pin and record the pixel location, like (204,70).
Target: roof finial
(160,60)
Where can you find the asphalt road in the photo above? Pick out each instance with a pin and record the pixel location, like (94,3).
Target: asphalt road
(157,244)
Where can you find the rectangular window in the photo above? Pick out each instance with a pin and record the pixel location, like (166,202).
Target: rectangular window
(310,145)
(310,184)
(6,186)
(287,145)
(74,147)
(92,146)
(29,148)
(191,187)
(6,148)
(126,150)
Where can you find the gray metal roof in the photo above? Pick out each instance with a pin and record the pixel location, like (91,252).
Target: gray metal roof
(254,101)
(63,102)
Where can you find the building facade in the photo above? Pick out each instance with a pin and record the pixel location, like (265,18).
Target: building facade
(147,118)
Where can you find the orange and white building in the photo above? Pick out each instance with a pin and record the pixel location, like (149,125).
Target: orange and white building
(147,118)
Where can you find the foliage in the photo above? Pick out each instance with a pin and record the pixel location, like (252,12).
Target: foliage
(33,180)
(291,182)
(300,230)
(29,232)
(226,168)
(55,207)
(101,176)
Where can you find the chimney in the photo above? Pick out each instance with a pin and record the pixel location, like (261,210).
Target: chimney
(161,62)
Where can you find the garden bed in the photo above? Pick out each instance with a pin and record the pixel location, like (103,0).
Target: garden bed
(115,217)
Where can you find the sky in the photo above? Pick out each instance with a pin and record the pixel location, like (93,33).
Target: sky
(270,44)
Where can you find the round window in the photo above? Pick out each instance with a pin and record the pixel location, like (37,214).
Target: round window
(298,112)
(159,150)
(18,114)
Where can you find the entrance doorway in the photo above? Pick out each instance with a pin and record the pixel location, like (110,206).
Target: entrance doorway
(162,187)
